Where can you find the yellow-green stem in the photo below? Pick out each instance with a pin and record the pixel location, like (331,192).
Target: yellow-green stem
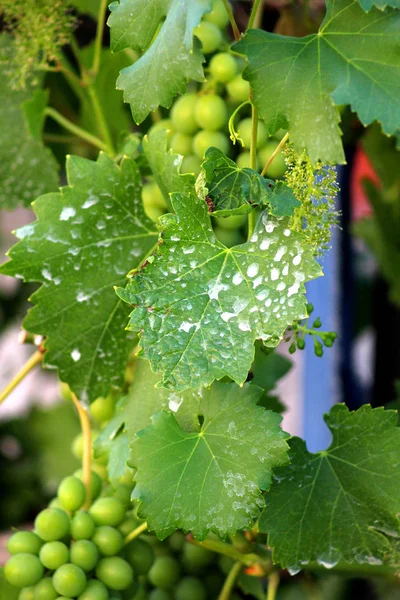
(235,28)
(78,131)
(135,533)
(101,121)
(253,163)
(253,14)
(33,361)
(87,448)
(227,550)
(230,581)
(99,38)
(273,584)
(275,152)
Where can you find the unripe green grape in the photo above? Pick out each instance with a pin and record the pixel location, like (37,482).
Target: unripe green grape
(123,493)
(218,14)
(158,594)
(318,348)
(55,503)
(84,554)
(77,446)
(196,558)
(82,526)
(211,112)
(53,555)
(44,590)
(127,525)
(223,67)
(96,482)
(328,342)
(191,164)
(24,541)
(95,590)
(176,541)
(153,196)
(107,511)
(278,166)
(115,573)
(27,593)
(317,323)
(164,573)
(244,129)
(301,343)
(309,308)
(182,143)
(71,493)
(209,35)
(292,348)
(108,540)
(238,89)
(69,580)
(102,409)
(205,139)
(163,124)
(140,555)
(52,524)
(190,588)
(23,570)
(243,161)
(182,114)
(233,222)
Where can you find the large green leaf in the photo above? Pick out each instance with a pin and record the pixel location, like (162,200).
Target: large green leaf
(27,168)
(339,505)
(169,61)
(209,480)
(201,306)
(353,59)
(85,240)
(381,4)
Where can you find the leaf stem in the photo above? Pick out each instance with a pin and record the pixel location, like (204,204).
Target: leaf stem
(230,581)
(30,364)
(78,131)
(101,121)
(226,550)
(253,163)
(135,533)
(275,152)
(254,11)
(273,584)
(87,448)
(235,28)
(99,38)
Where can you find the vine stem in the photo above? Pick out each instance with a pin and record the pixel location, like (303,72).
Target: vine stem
(101,121)
(253,14)
(275,152)
(235,28)
(135,533)
(273,584)
(87,448)
(30,364)
(253,162)
(230,581)
(99,38)
(226,550)
(78,131)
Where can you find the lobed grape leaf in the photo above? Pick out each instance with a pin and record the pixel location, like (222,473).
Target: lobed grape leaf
(232,188)
(165,166)
(353,59)
(381,4)
(27,167)
(84,241)
(200,305)
(339,505)
(169,61)
(210,480)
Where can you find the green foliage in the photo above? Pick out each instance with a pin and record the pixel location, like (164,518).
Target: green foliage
(85,240)
(352,60)
(210,480)
(341,504)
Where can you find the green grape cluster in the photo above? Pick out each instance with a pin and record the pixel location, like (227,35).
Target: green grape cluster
(299,331)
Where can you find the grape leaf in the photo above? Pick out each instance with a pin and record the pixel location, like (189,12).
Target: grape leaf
(84,241)
(339,505)
(27,168)
(201,306)
(165,166)
(209,480)
(381,4)
(169,61)
(231,188)
(353,59)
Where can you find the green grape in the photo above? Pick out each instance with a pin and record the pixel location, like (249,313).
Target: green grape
(223,67)
(55,503)
(123,493)
(52,524)
(95,590)
(115,573)
(238,89)
(190,588)
(26,593)
(77,446)
(23,570)
(127,525)
(165,124)
(182,114)
(191,164)
(69,580)
(218,15)
(244,128)
(182,143)
(107,511)
(292,348)
(176,541)
(108,540)
(24,541)
(205,139)
(96,483)
(164,573)
(278,166)
(152,195)
(209,35)
(44,590)
(214,583)
(158,594)
(233,222)
(211,112)
(243,161)
(140,555)
(71,493)
(196,558)
(82,526)
(53,555)
(301,343)
(102,409)
(84,554)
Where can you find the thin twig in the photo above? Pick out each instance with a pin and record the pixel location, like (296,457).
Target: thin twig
(87,448)
(253,14)
(230,581)
(235,28)
(273,584)
(275,152)
(31,363)
(99,38)
(135,533)
(78,131)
